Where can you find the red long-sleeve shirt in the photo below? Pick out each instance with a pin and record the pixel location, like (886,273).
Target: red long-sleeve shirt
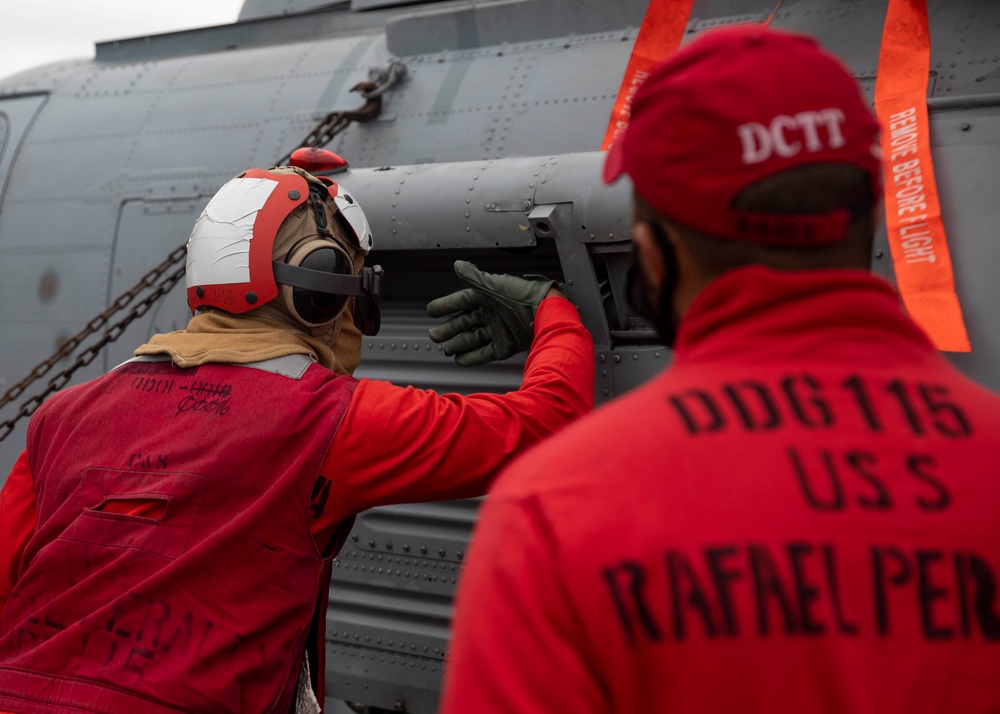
(399,444)
(799,515)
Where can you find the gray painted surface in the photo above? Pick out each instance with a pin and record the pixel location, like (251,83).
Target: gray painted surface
(105,164)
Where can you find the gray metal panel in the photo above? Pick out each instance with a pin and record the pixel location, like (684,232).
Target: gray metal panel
(25,338)
(403,346)
(16,116)
(357,5)
(481,204)
(966,149)
(372,4)
(168,225)
(509,22)
(598,60)
(627,367)
(45,297)
(493,104)
(254,9)
(852,30)
(46,286)
(390,603)
(965,58)
(269,32)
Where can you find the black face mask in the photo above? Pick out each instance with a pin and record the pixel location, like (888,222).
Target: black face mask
(662,315)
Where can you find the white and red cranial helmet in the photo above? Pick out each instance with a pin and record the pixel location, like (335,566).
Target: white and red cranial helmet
(232,262)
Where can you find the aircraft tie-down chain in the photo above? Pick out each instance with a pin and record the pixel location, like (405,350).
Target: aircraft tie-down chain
(379,81)
(154,279)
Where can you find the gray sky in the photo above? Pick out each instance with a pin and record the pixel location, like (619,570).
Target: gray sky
(35,32)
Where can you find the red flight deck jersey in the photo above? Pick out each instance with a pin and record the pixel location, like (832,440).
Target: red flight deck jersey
(172,566)
(802,514)
(389,444)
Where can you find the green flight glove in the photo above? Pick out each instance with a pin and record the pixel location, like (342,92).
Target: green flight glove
(495,315)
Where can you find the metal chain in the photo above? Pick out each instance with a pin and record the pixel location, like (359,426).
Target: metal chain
(379,81)
(384,79)
(61,379)
(67,347)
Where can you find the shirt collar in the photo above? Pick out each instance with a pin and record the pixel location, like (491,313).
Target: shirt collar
(759,310)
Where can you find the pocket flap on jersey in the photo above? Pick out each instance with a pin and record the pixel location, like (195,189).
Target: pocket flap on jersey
(145,507)
(151,511)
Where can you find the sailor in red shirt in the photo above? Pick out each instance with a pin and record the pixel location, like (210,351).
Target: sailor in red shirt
(166,537)
(800,514)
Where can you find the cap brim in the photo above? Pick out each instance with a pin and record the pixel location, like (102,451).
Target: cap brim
(614,163)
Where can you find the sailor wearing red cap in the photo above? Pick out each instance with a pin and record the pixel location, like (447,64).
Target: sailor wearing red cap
(800,513)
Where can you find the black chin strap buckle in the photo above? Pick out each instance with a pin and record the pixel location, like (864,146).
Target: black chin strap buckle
(367,311)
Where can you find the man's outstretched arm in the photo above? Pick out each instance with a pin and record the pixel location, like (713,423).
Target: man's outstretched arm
(401,445)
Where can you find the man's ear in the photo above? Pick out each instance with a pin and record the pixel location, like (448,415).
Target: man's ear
(651,259)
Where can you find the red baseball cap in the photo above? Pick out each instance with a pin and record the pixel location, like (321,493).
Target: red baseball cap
(732,107)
